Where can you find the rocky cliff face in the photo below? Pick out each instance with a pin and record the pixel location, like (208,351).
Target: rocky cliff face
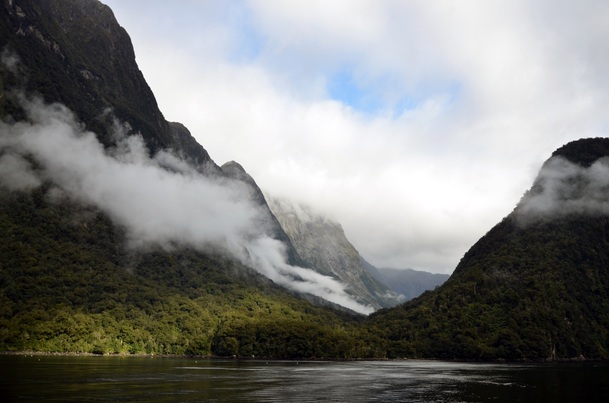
(234,170)
(75,53)
(323,245)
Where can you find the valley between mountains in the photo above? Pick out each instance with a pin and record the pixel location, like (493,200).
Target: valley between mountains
(121,235)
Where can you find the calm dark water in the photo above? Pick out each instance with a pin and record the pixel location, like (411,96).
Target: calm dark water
(139,379)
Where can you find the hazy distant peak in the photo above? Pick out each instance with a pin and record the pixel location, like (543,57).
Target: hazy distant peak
(322,243)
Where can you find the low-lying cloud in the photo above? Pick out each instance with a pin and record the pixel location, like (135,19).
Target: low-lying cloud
(564,188)
(473,98)
(160,200)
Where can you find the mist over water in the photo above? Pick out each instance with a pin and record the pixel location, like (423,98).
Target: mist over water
(160,200)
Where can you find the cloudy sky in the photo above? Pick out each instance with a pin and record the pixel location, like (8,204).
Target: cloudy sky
(417,125)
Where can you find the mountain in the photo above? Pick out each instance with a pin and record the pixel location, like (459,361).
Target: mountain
(323,245)
(74,52)
(535,287)
(407,282)
(68,283)
(120,233)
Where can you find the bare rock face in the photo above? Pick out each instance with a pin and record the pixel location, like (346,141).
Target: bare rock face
(235,171)
(76,53)
(322,243)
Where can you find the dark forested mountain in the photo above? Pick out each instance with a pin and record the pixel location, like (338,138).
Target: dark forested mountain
(75,53)
(119,234)
(536,286)
(98,196)
(323,245)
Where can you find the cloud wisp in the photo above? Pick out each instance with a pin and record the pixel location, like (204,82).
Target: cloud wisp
(565,188)
(417,125)
(157,206)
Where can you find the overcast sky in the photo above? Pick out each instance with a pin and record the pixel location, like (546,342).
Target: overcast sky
(418,125)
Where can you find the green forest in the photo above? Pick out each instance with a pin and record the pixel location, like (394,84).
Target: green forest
(68,284)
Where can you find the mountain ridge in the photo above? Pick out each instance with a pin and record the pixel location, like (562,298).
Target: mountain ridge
(532,291)
(322,243)
(77,274)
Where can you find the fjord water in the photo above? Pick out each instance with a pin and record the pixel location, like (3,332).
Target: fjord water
(59,378)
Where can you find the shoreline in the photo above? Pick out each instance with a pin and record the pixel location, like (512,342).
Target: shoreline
(79,354)
(212,357)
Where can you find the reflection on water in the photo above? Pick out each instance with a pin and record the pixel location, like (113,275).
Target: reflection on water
(44,378)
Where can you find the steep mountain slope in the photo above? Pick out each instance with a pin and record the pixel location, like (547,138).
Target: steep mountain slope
(536,286)
(407,282)
(68,283)
(322,243)
(74,52)
(120,234)
(233,170)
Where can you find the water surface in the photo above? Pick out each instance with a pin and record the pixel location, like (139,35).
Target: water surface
(144,379)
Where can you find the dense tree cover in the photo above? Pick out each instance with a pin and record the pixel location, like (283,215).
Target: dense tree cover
(532,293)
(68,284)
(584,152)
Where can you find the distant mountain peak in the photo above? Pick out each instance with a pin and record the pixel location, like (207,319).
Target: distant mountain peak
(322,243)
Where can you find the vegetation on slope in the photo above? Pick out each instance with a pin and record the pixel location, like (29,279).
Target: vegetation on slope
(68,284)
(525,291)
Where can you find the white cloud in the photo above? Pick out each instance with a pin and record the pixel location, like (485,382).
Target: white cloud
(161,207)
(492,89)
(563,188)
(16,173)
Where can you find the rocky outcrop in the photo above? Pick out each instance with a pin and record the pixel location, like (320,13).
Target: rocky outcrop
(322,243)
(234,170)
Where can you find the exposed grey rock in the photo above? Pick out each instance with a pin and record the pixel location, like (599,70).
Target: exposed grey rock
(322,243)
(234,170)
